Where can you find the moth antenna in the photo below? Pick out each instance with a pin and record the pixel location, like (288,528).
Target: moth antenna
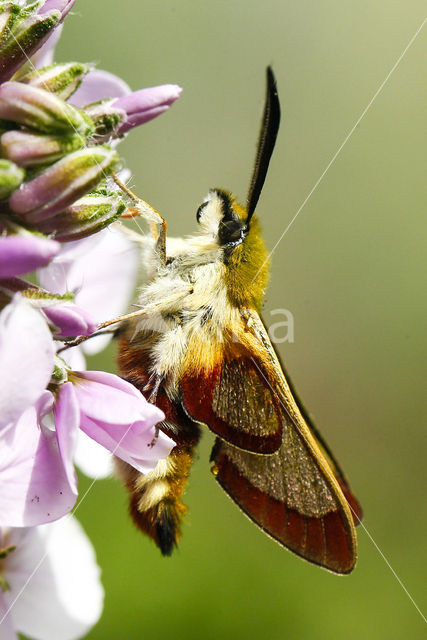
(266,141)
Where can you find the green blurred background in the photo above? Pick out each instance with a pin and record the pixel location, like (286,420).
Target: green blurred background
(350,269)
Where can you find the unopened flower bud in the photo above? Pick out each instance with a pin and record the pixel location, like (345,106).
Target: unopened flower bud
(9,14)
(26,37)
(69,319)
(41,110)
(63,183)
(63,6)
(23,253)
(11,177)
(60,79)
(106,118)
(29,149)
(144,105)
(117,116)
(85,217)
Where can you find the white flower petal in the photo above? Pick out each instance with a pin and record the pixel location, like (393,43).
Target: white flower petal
(109,280)
(91,458)
(64,597)
(74,358)
(7,631)
(101,271)
(97,85)
(55,277)
(26,358)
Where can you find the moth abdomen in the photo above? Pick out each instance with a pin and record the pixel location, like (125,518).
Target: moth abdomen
(167,526)
(155,503)
(155,500)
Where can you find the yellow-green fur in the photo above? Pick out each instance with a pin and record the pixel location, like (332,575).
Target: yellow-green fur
(248,266)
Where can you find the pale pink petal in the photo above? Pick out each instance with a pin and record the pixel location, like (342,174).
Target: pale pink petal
(144,105)
(109,284)
(26,358)
(34,486)
(111,380)
(74,358)
(139,448)
(108,398)
(101,271)
(67,421)
(98,85)
(64,597)
(64,6)
(58,276)
(7,631)
(118,417)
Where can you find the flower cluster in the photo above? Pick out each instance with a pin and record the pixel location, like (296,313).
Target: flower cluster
(59,129)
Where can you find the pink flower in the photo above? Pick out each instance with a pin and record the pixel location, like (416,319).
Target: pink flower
(114,414)
(37,478)
(38,483)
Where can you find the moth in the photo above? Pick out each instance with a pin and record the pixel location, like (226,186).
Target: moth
(198,349)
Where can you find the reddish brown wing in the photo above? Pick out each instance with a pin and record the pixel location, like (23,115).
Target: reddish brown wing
(237,403)
(298,495)
(288,497)
(354,505)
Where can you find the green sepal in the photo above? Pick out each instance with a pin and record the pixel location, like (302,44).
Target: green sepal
(34,293)
(86,216)
(61,79)
(9,14)
(11,176)
(60,374)
(4,551)
(28,33)
(106,118)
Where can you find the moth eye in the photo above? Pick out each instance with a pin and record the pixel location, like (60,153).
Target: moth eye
(231,231)
(199,210)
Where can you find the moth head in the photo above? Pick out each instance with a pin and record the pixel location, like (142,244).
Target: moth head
(219,215)
(222,218)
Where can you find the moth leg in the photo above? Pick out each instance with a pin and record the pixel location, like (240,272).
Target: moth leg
(145,312)
(157,223)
